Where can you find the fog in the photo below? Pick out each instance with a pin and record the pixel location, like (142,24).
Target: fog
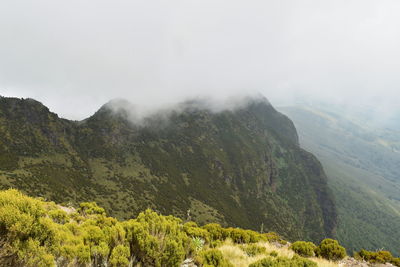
(76,55)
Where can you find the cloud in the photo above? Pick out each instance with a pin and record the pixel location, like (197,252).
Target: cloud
(76,55)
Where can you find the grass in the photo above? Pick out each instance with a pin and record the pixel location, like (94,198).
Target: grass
(239,258)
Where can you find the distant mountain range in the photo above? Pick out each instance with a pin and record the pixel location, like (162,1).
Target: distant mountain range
(241,167)
(362,161)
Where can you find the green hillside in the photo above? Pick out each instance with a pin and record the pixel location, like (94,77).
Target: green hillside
(239,168)
(363,167)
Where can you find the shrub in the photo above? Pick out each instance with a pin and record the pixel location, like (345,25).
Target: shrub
(377,257)
(120,256)
(238,235)
(213,258)
(395,262)
(90,208)
(296,261)
(255,236)
(253,249)
(216,243)
(305,249)
(198,243)
(273,253)
(274,237)
(158,240)
(58,216)
(216,232)
(23,228)
(330,250)
(192,230)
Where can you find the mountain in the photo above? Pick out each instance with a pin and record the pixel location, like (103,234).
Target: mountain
(363,168)
(240,167)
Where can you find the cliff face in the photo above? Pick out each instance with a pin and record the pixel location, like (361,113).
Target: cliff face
(242,167)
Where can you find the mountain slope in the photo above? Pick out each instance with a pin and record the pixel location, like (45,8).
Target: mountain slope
(362,165)
(241,167)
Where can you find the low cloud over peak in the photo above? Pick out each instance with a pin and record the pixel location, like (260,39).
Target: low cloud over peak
(76,55)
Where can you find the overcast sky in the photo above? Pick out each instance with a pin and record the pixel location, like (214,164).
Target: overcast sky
(76,55)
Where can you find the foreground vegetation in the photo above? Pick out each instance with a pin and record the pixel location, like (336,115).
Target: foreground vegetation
(34,232)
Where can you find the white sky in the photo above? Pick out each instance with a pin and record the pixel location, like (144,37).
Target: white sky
(76,55)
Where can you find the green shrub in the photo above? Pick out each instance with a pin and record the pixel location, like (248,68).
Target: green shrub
(273,253)
(198,243)
(216,232)
(158,240)
(296,261)
(377,257)
(305,249)
(213,258)
(330,250)
(120,256)
(216,243)
(255,236)
(90,208)
(241,236)
(238,236)
(396,262)
(58,216)
(274,237)
(253,249)
(23,228)
(192,230)
(38,233)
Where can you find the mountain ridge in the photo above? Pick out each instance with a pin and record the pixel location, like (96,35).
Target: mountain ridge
(240,167)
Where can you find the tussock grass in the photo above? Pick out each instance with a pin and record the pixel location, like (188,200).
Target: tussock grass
(239,258)
(236,255)
(324,263)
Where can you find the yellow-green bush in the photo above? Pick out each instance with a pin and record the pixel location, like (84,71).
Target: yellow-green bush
(242,236)
(305,249)
(158,240)
(296,261)
(193,230)
(381,256)
(253,249)
(216,232)
(23,228)
(213,258)
(396,262)
(37,233)
(120,256)
(330,249)
(273,253)
(274,237)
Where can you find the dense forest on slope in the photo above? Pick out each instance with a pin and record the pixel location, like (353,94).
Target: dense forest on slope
(363,167)
(240,167)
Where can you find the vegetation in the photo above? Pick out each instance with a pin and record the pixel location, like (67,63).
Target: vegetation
(34,232)
(381,256)
(284,262)
(32,236)
(331,250)
(305,249)
(253,250)
(242,167)
(361,163)
(38,233)
(213,257)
